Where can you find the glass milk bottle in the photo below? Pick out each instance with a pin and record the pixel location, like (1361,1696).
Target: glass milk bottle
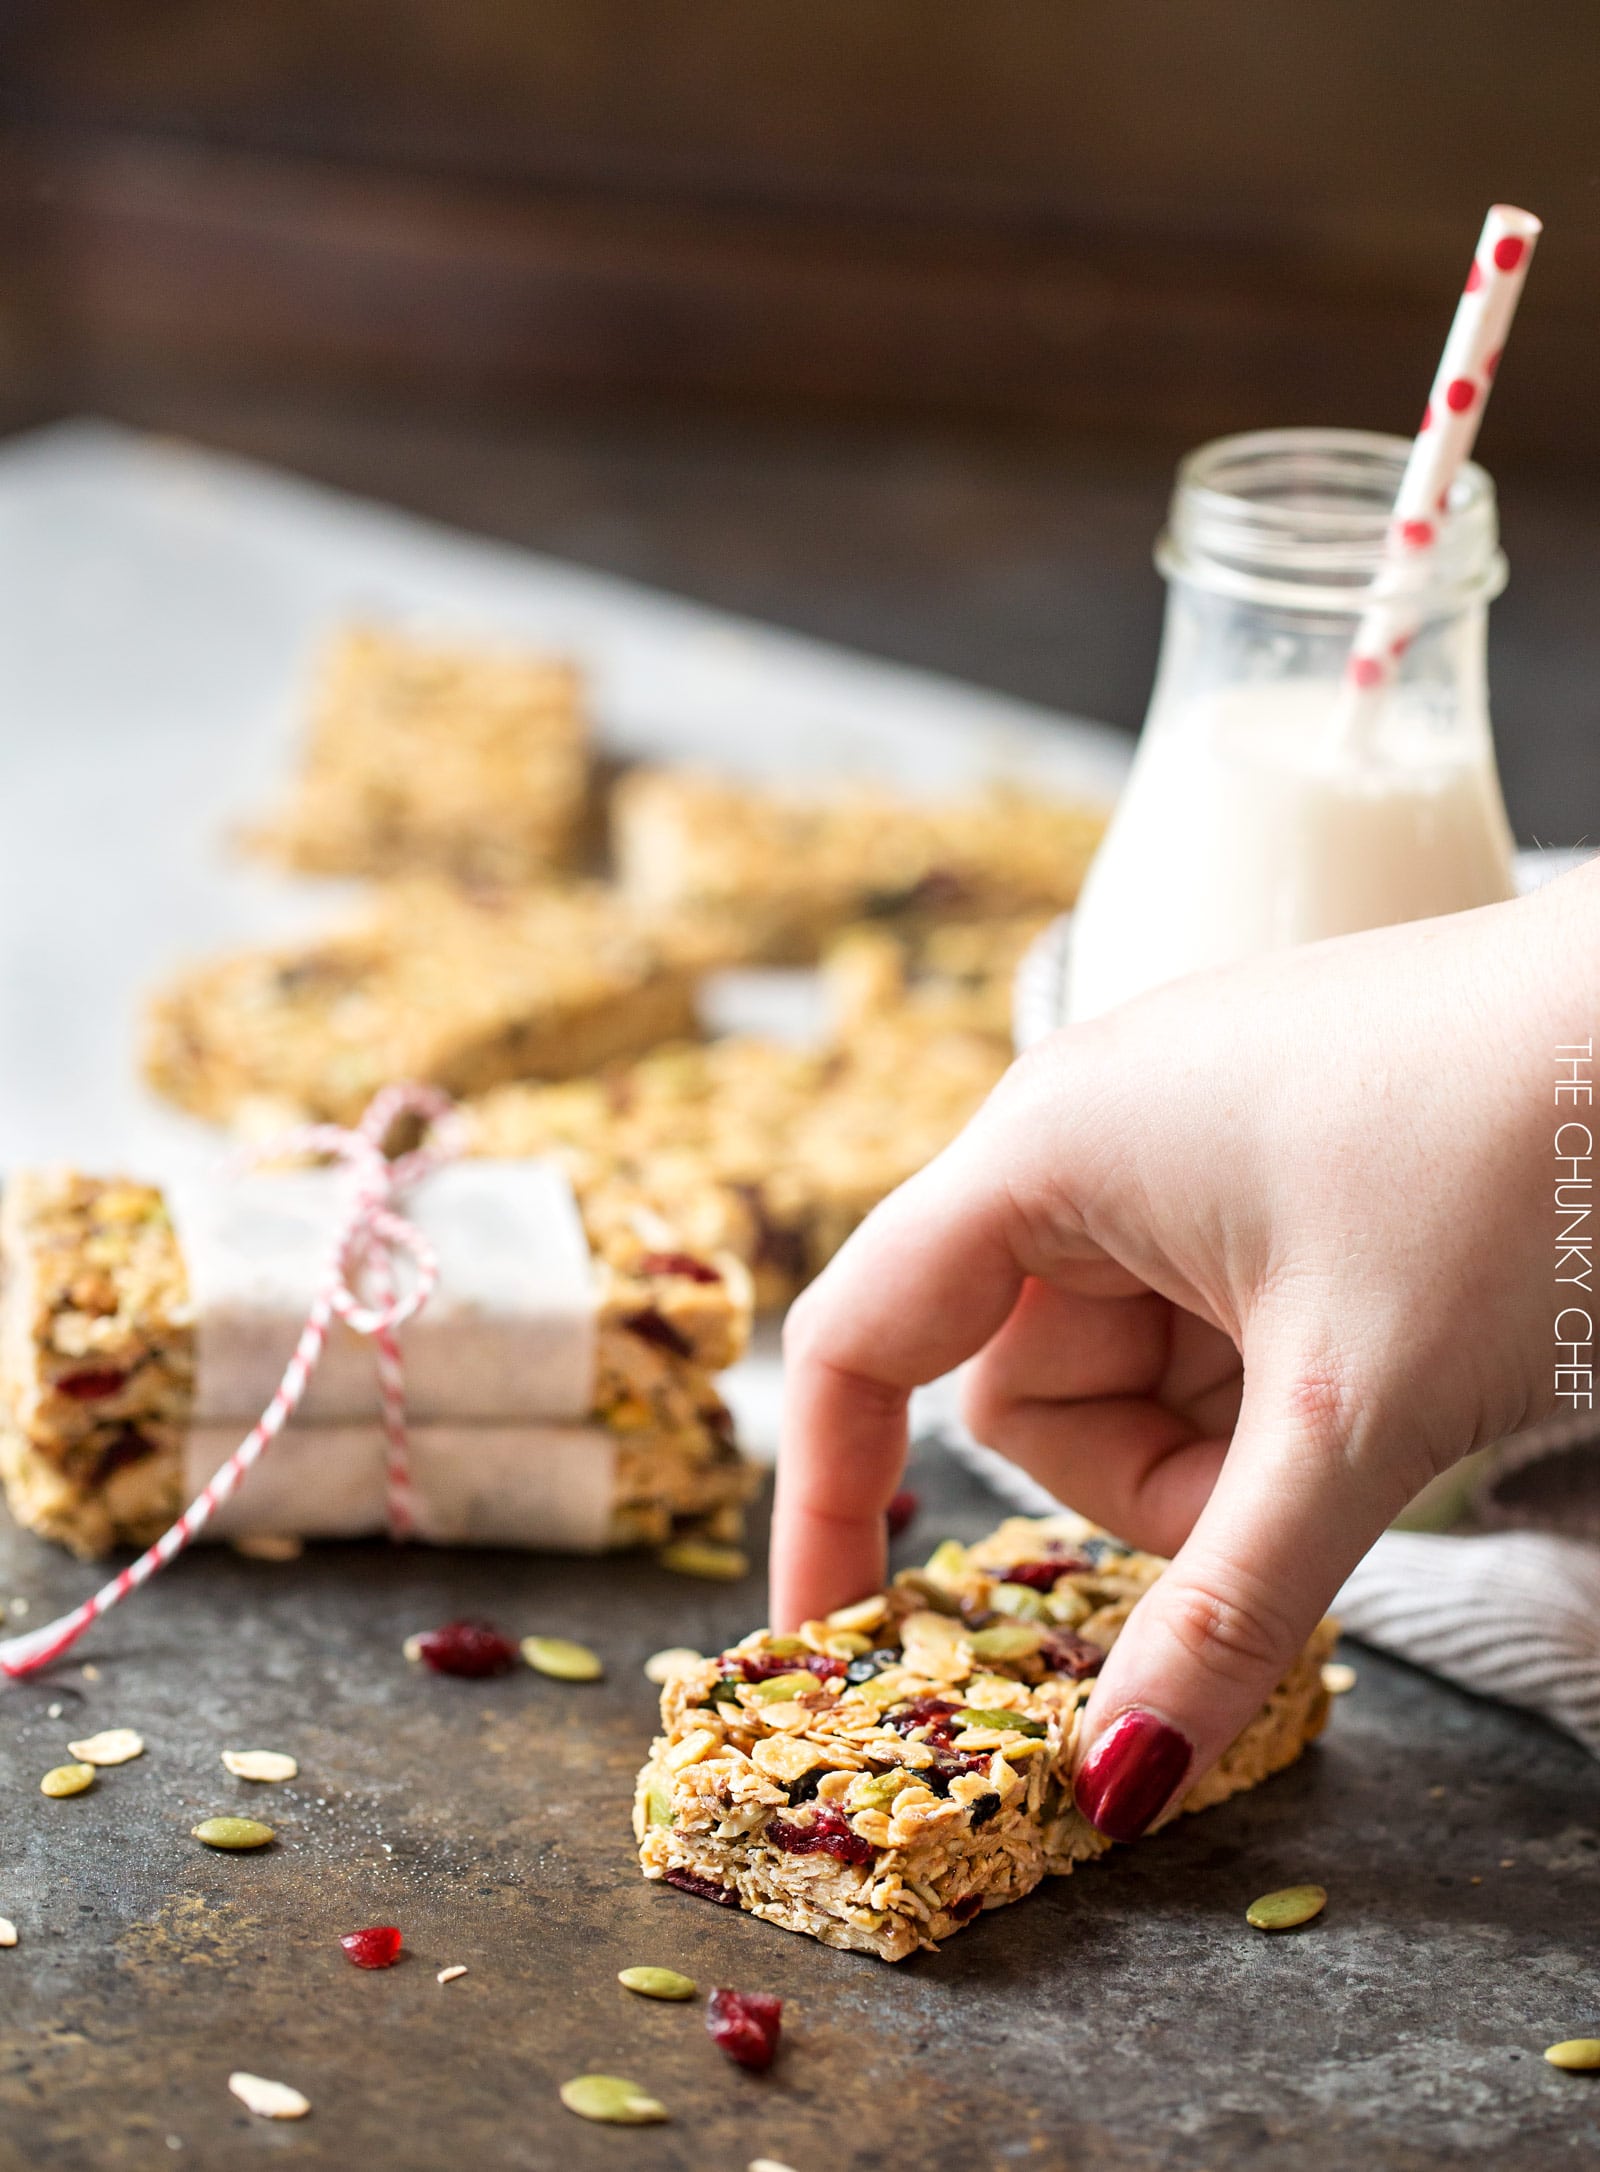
(1253,817)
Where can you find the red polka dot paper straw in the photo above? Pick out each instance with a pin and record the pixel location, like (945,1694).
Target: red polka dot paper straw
(1442,445)
(371,1236)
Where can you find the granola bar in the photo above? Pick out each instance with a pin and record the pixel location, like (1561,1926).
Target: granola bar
(462,989)
(948,976)
(97,1360)
(883,1776)
(780,871)
(754,1147)
(471,762)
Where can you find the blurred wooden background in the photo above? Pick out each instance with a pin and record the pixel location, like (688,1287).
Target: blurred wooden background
(885,317)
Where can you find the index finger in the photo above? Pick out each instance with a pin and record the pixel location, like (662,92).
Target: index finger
(924,1283)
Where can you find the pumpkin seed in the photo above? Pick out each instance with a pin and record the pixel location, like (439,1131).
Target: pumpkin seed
(657,1983)
(115,1746)
(562,1660)
(1285,1910)
(268,2099)
(8,1931)
(233,1833)
(663,1667)
(1006,1640)
(1578,2055)
(67,1780)
(787,1647)
(1020,1601)
(947,1564)
(658,1805)
(783,1688)
(721,1565)
(1337,1678)
(1018,1722)
(265,1765)
(615,2102)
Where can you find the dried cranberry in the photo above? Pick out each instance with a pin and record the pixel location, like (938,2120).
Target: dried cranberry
(933,1713)
(377,1948)
(1041,1575)
(965,1909)
(901,1511)
(829,1833)
(745,2025)
(649,1326)
(950,1765)
(92,1386)
(762,1666)
(678,1263)
(1075,1657)
(688,1881)
(127,1445)
(474,1649)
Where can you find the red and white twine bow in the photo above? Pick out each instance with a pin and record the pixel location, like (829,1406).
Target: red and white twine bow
(360,1286)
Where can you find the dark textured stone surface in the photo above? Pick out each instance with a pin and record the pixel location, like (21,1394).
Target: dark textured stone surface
(1125,2018)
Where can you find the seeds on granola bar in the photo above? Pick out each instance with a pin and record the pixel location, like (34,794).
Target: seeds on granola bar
(657,1983)
(1287,1909)
(234,1833)
(263,1765)
(64,1780)
(113,1746)
(268,2099)
(704,1557)
(611,2100)
(562,1660)
(661,1667)
(1577,2055)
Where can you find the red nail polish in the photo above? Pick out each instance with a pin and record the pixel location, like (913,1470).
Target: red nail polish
(1130,1775)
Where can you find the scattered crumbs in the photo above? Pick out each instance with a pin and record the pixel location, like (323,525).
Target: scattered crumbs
(174,2141)
(91,1672)
(8,1931)
(768,2164)
(1475,1881)
(268,2099)
(1338,1679)
(112,1746)
(1436,1794)
(54,1711)
(449,1975)
(19,1607)
(268,1766)
(387,1849)
(1508,1862)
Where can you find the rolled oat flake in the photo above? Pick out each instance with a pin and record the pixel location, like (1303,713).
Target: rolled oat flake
(268,2099)
(265,1765)
(67,1780)
(1578,2055)
(1287,1909)
(657,1983)
(233,1833)
(113,1746)
(563,1660)
(8,1931)
(612,2101)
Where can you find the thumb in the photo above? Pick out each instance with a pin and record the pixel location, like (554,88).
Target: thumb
(1288,1519)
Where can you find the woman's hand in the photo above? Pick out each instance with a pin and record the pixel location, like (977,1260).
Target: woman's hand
(1238,1268)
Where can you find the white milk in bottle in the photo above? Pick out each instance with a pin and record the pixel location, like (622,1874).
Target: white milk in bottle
(1252,819)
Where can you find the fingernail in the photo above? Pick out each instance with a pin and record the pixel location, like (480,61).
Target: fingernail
(1129,1776)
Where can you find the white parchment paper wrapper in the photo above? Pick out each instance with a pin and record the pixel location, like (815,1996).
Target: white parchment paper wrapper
(542,1486)
(508,1334)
